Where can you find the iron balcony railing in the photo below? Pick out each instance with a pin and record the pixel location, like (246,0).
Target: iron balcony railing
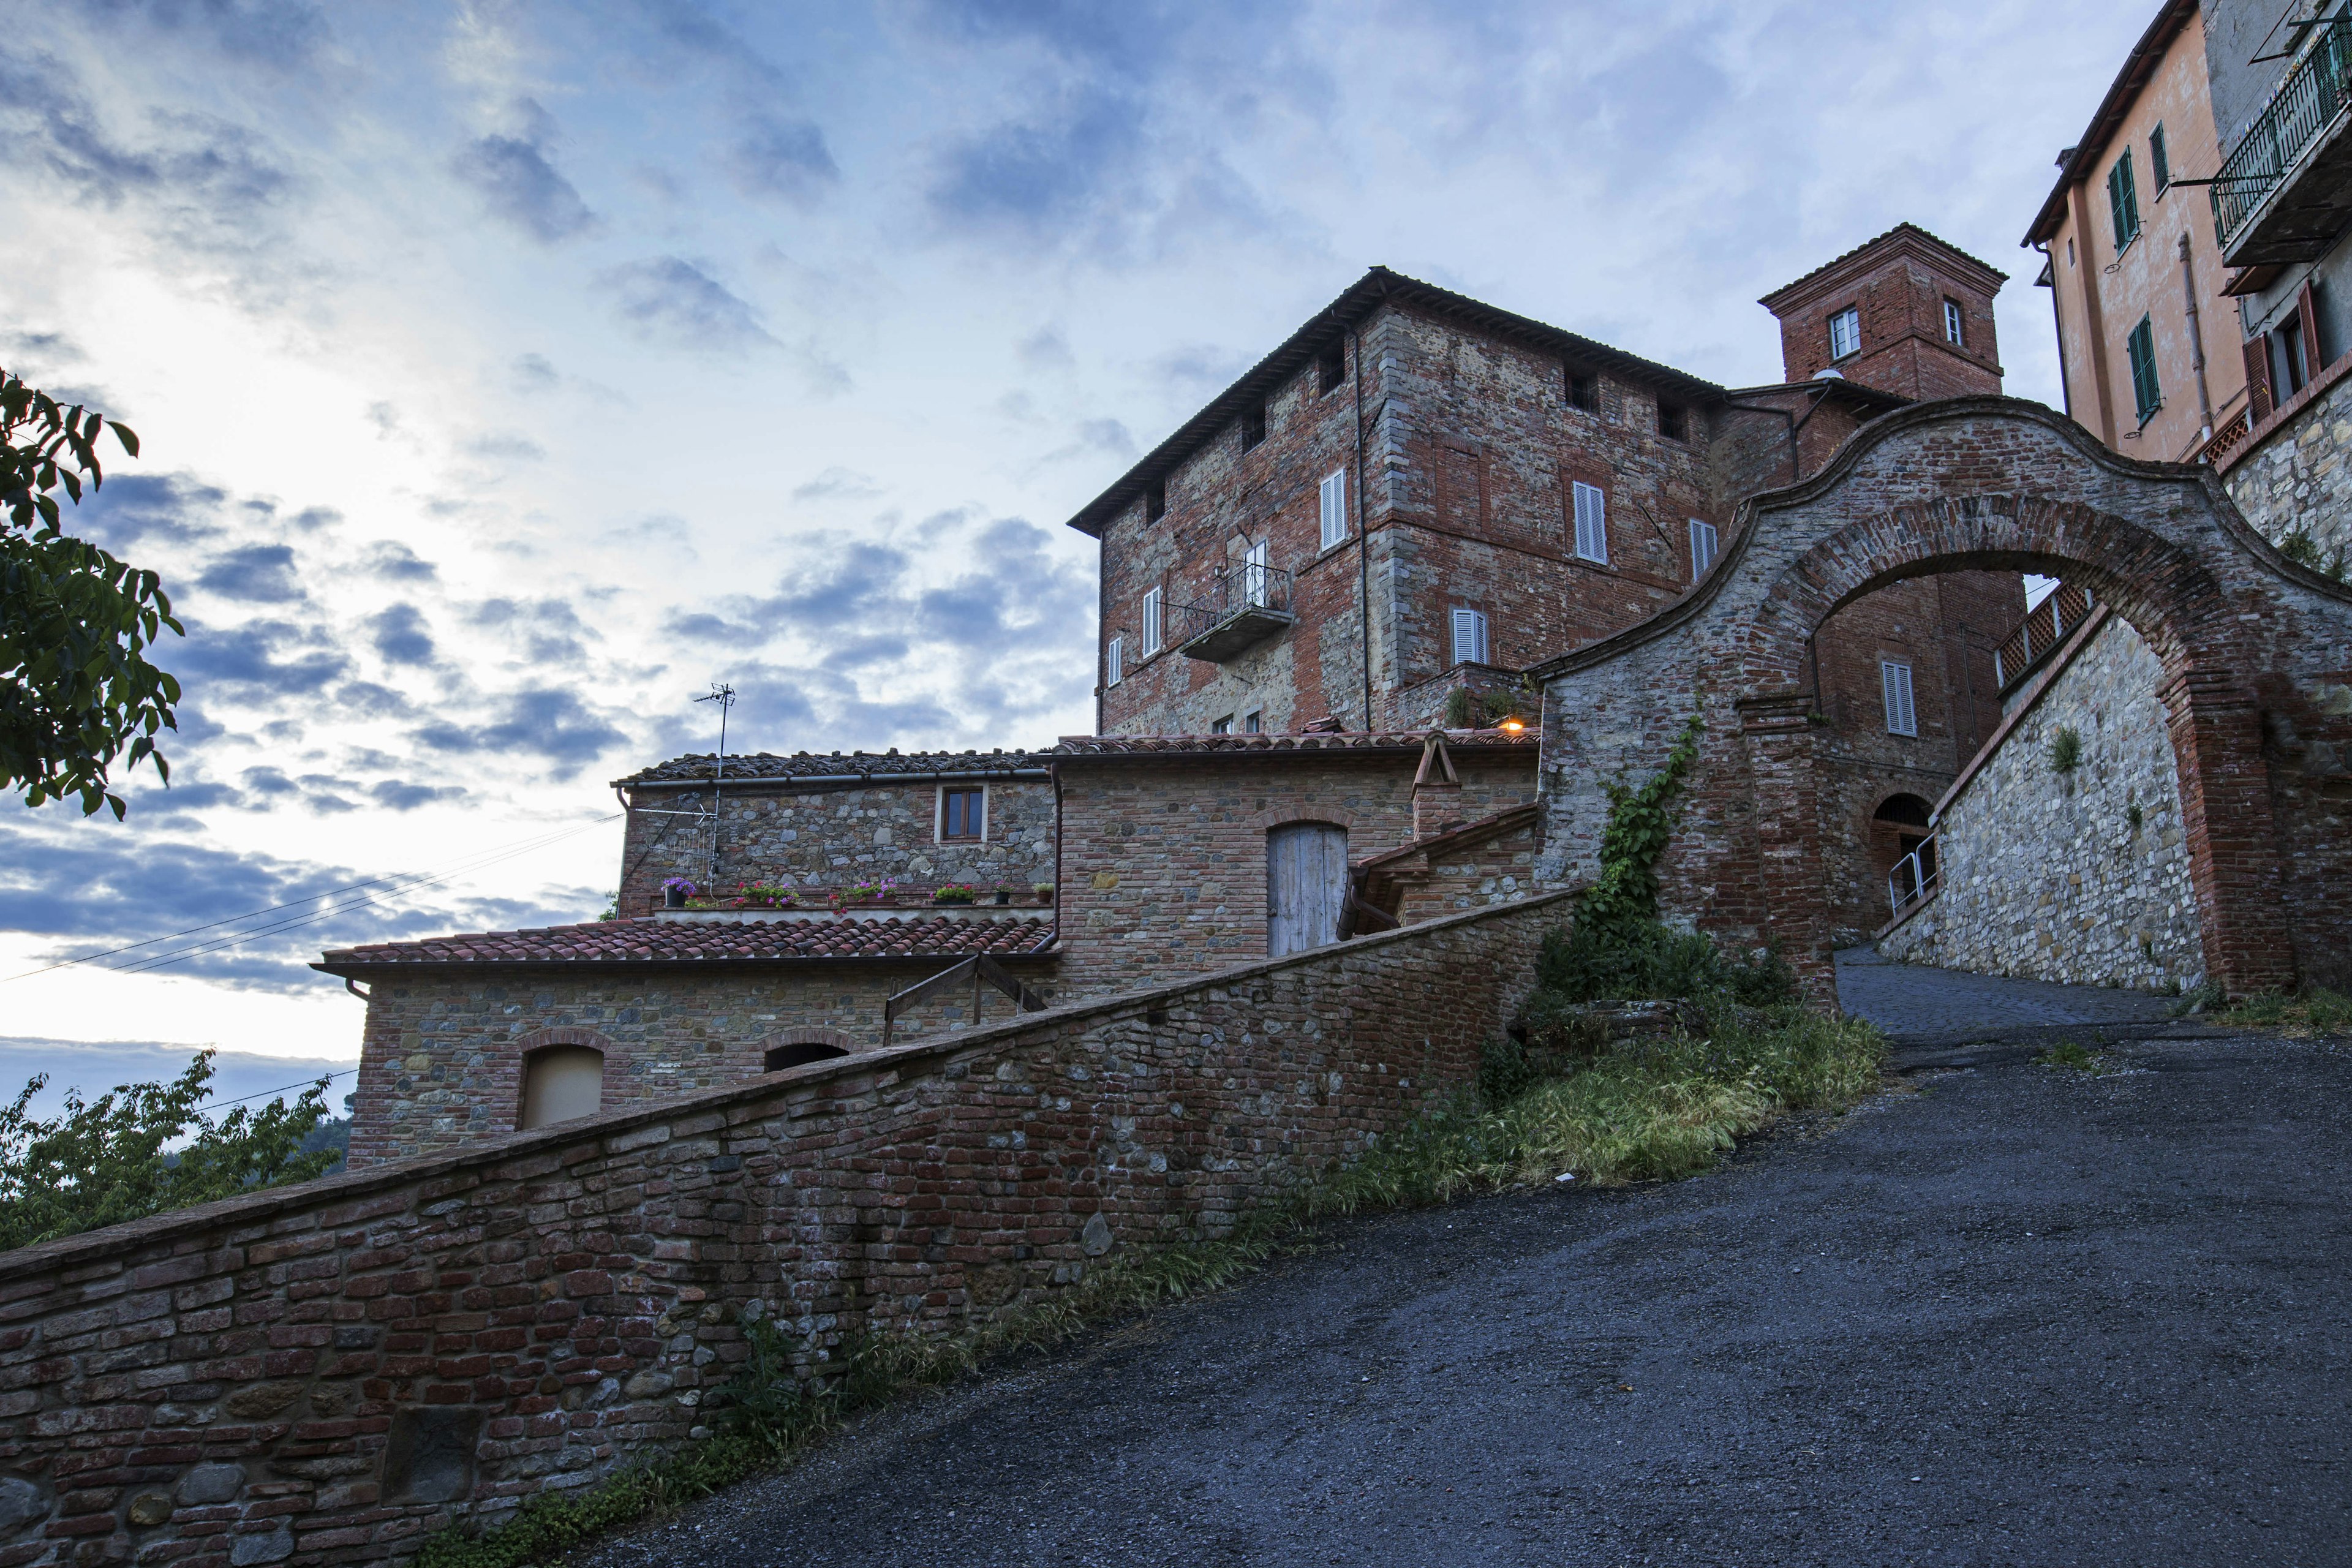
(2306,104)
(1912,879)
(1250,596)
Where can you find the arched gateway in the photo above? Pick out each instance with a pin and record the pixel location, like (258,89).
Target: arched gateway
(2257,688)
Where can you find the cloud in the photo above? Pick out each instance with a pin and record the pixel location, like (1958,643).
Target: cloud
(139,508)
(255,662)
(532,373)
(256,573)
(1046,349)
(513,176)
(281,34)
(395,795)
(667,299)
(787,158)
(547,723)
(837,484)
(390,559)
(1041,175)
(505,446)
(548,631)
(400,636)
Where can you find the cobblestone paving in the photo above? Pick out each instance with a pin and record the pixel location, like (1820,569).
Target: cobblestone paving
(1910,999)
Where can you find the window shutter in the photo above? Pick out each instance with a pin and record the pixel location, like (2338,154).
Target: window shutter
(1254,574)
(2159,162)
(1591,523)
(2307,307)
(1469,637)
(1335,507)
(2258,379)
(1703,547)
(2140,347)
(1150,623)
(1901,718)
(1112,673)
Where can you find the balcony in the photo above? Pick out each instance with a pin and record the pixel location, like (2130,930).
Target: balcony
(2285,194)
(1245,605)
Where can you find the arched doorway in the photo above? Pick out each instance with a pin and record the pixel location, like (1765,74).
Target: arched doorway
(2253,651)
(1902,845)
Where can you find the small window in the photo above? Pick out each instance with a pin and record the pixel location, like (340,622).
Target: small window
(561,1083)
(1253,426)
(1224,726)
(2070,251)
(1115,662)
(1591,523)
(964,812)
(1955,325)
(2123,202)
(1901,719)
(1584,392)
(2141,348)
(1331,369)
(2290,363)
(1155,503)
(1469,637)
(1845,333)
(1150,623)
(1703,537)
(1335,507)
(1674,422)
(2159,162)
(1254,723)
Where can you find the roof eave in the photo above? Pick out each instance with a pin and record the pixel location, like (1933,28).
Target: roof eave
(2170,17)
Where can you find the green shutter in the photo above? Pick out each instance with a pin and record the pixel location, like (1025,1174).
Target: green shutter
(2159,162)
(2141,347)
(2122,201)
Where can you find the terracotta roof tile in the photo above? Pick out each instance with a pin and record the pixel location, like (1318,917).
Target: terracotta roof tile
(698,768)
(1528,739)
(650,941)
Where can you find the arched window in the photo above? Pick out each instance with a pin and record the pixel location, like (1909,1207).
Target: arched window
(561,1083)
(800,1053)
(1908,810)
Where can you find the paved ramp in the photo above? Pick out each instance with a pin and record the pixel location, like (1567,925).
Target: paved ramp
(1924,1009)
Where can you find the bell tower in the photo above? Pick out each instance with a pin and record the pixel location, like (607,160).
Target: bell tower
(1904,313)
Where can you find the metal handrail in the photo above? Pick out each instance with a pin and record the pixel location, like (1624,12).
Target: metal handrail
(1912,879)
(2306,103)
(1250,586)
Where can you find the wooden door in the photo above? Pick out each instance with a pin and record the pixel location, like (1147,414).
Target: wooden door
(1306,886)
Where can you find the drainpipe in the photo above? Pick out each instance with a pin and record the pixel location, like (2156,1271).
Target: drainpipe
(1060,892)
(2196,337)
(1363,540)
(2058,327)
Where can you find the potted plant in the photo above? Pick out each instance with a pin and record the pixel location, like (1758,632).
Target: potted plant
(1004,892)
(1045,891)
(675,891)
(868,892)
(956,893)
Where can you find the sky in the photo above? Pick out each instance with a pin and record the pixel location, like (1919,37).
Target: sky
(509,373)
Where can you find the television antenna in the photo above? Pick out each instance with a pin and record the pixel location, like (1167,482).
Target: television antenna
(724,695)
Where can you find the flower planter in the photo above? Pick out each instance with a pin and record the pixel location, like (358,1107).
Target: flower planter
(673,897)
(1003,896)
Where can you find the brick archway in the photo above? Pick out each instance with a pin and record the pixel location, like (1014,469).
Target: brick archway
(2256,653)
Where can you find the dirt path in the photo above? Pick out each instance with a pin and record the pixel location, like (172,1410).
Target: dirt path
(2027,1316)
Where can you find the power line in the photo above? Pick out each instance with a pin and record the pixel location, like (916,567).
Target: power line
(406,882)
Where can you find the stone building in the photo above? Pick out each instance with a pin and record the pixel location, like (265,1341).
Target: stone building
(2139,292)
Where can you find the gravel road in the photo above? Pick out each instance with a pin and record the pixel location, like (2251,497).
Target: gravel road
(2008,1315)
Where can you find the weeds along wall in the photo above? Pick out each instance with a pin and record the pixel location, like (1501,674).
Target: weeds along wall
(330,1372)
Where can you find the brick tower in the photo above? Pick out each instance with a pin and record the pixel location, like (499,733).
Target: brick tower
(1904,313)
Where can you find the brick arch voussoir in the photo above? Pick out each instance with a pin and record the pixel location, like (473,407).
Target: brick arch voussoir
(2161,587)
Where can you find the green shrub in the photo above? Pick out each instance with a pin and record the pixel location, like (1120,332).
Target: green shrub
(2066,749)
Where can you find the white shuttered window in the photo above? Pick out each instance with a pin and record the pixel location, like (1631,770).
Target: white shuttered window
(1115,662)
(1152,623)
(1703,548)
(1335,507)
(1901,718)
(1469,637)
(1591,523)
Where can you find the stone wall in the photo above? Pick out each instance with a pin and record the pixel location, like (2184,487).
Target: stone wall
(441,1057)
(830,835)
(2298,476)
(2080,877)
(329,1373)
(1164,861)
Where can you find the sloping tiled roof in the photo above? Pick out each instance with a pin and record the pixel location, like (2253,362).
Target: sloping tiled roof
(698,768)
(1491,825)
(647,940)
(2078,161)
(1900,230)
(1528,739)
(1360,298)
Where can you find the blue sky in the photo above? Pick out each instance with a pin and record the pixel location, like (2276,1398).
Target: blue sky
(509,373)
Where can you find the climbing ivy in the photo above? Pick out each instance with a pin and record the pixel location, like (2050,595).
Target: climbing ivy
(1641,823)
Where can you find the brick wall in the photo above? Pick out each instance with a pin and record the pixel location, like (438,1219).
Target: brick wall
(326,1373)
(827,837)
(2081,876)
(441,1055)
(1164,861)
(1897,284)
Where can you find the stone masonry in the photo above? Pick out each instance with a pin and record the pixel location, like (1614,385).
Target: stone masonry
(2296,476)
(2081,876)
(330,1372)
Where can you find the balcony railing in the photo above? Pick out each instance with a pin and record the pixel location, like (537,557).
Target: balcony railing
(2225,439)
(2305,105)
(2038,635)
(1244,605)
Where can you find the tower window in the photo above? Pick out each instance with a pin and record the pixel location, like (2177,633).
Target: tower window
(1703,547)
(1902,716)
(1583,392)
(1674,422)
(1591,523)
(1155,503)
(1845,333)
(1253,426)
(1469,637)
(1330,369)
(1956,326)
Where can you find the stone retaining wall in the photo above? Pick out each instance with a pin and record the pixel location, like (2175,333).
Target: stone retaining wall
(330,1372)
(2298,477)
(2045,874)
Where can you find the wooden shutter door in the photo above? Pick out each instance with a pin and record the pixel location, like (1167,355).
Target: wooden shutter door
(2258,403)
(1306,886)
(2308,309)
